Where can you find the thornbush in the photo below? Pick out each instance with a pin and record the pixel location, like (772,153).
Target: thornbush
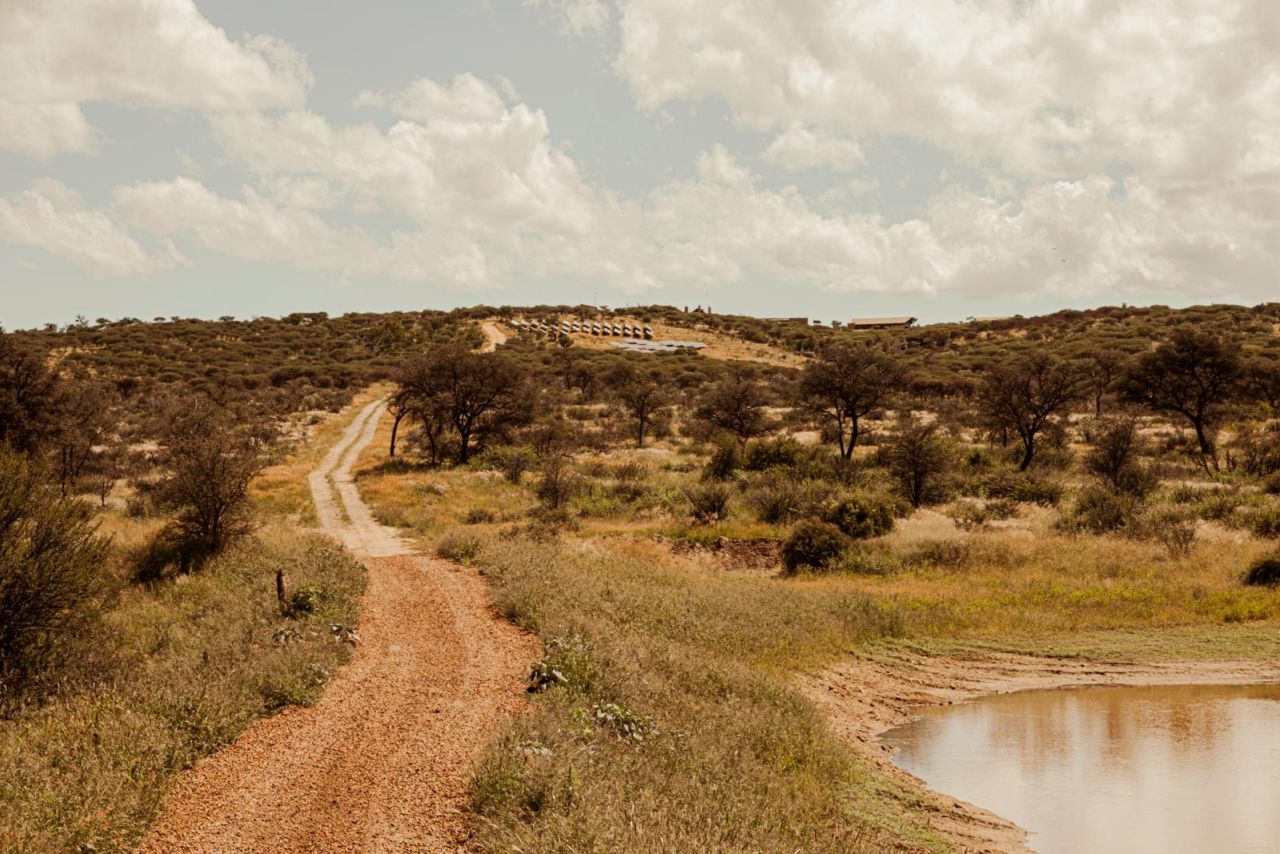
(1264,571)
(813,545)
(461,546)
(1101,509)
(50,577)
(861,516)
(709,501)
(781,452)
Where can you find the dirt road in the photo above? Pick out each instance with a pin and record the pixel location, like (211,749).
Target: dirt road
(382,762)
(493,337)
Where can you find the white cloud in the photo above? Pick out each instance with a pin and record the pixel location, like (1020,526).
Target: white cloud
(800,147)
(458,158)
(1056,87)
(578,17)
(52,217)
(55,57)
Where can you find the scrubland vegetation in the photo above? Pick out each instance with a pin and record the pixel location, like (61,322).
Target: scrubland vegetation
(684,533)
(1065,486)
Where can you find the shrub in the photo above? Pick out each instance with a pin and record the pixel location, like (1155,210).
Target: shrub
(480,516)
(1272,484)
(1176,532)
(50,577)
(813,545)
(710,501)
(861,516)
(1266,522)
(1265,571)
(1021,486)
(723,464)
(557,482)
(762,454)
(1100,510)
(971,515)
(305,600)
(461,546)
(512,460)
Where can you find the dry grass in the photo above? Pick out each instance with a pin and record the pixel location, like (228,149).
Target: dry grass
(727,757)
(191,664)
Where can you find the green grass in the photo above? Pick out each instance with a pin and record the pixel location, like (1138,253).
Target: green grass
(192,663)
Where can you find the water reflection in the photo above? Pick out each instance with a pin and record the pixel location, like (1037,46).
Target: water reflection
(1163,769)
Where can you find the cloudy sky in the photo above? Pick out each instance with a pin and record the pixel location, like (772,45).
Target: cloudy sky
(943,158)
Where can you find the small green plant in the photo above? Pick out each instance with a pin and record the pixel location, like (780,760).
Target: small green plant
(305,600)
(814,545)
(1266,522)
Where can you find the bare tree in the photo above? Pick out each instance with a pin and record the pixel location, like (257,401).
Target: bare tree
(1024,392)
(847,382)
(1194,374)
(735,404)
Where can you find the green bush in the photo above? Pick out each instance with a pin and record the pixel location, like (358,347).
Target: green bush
(511,460)
(763,454)
(724,462)
(1020,486)
(861,516)
(813,545)
(305,600)
(1265,571)
(1100,509)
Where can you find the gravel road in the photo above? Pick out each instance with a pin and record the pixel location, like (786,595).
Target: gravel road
(381,763)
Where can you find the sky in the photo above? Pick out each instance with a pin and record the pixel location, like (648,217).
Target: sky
(827,158)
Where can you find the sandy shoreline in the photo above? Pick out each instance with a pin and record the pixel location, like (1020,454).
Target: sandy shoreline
(864,698)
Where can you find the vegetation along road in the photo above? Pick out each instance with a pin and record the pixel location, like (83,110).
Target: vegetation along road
(382,762)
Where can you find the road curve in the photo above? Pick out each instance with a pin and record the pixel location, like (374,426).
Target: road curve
(382,762)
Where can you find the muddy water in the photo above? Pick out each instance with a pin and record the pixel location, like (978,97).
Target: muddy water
(1158,769)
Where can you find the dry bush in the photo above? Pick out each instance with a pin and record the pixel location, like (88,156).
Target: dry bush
(709,502)
(51,579)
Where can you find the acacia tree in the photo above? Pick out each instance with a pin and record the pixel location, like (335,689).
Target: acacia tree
(469,391)
(735,404)
(1262,382)
(1022,393)
(918,458)
(847,382)
(1194,374)
(86,412)
(1101,371)
(28,397)
(641,397)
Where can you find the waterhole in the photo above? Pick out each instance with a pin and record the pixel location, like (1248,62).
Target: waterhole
(1192,768)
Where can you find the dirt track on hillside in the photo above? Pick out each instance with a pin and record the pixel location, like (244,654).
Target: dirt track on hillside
(864,698)
(493,337)
(382,762)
